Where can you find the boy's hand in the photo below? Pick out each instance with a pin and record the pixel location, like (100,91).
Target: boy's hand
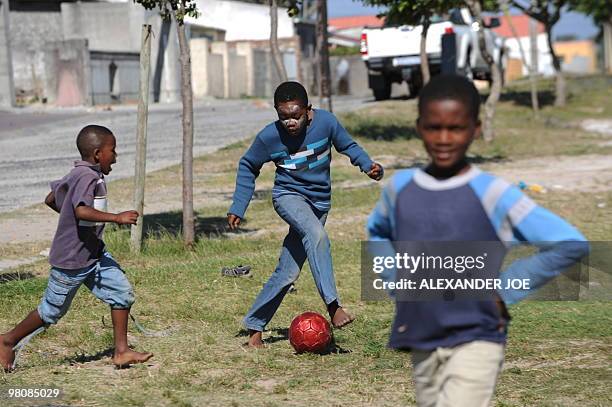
(233,221)
(376,172)
(50,202)
(127,218)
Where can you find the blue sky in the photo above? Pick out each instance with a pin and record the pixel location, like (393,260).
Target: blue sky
(571,23)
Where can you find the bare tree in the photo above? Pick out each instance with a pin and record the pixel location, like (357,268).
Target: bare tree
(177,10)
(276,55)
(323,56)
(548,13)
(531,67)
(475,7)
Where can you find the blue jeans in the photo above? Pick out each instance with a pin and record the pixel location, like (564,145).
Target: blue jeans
(104,278)
(307,238)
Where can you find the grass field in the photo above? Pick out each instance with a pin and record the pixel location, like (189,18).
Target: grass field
(559,353)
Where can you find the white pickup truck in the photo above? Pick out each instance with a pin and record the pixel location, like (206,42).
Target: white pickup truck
(392,53)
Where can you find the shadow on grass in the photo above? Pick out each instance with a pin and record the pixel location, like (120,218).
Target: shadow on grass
(409,162)
(282,334)
(278,334)
(205,227)
(6,277)
(334,349)
(523,97)
(83,358)
(480,159)
(375,130)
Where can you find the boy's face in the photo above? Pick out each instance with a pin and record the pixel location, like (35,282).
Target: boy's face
(447,129)
(293,115)
(106,154)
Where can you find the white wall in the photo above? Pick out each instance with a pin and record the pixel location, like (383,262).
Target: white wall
(545,66)
(241,21)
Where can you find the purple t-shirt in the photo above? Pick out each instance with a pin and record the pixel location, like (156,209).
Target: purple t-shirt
(77,243)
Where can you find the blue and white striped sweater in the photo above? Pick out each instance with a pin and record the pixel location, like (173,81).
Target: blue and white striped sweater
(302,162)
(474,206)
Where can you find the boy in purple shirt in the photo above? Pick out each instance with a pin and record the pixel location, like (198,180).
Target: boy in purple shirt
(78,254)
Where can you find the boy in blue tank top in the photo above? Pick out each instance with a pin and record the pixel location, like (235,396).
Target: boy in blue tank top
(457,347)
(299,144)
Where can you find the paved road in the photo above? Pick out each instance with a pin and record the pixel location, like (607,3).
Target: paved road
(37,146)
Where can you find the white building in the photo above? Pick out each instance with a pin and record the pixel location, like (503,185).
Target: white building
(241,21)
(521,26)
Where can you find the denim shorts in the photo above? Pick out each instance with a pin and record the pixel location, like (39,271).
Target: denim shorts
(104,278)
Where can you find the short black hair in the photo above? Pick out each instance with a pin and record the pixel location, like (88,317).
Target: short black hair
(453,87)
(289,91)
(91,137)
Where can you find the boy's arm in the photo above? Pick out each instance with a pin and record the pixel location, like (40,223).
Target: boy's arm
(379,231)
(83,193)
(344,144)
(90,214)
(50,202)
(561,245)
(248,170)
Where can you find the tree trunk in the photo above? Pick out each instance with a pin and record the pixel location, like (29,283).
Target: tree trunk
(424,61)
(323,51)
(560,79)
(533,68)
(496,86)
(276,55)
(187,99)
(535,106)
(607,45)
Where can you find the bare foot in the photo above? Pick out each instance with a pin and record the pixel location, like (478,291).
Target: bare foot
(130,357)
(341,318)
(7,355)
(255,340)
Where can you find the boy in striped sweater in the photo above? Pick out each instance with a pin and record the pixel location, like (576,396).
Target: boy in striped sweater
(299,144)
(457,347)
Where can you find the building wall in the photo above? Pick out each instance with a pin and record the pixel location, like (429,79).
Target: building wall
(349,76)
(545,66)
(107,26)
(215,76)
(115,77)
(247,22)
(68,80)
(29,32)
(7,91)
(577,56)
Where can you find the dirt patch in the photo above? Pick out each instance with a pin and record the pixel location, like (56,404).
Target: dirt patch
(267,384)
(598,126)
(588,173)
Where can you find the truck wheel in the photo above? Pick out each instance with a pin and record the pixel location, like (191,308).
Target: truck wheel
(382,92)
(467,69)
(414,89)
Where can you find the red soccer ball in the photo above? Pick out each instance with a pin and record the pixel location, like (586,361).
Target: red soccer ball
(310,332)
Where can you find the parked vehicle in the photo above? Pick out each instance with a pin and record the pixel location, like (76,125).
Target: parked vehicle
(392,53)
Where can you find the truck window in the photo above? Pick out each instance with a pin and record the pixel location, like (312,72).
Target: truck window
(456,18)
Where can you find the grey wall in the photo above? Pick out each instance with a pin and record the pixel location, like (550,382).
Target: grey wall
(238,76)
(7,92)
(30,31)
(355,80)
(215,75)
(116,27)
(68,66)
(115,77)
(107,26)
